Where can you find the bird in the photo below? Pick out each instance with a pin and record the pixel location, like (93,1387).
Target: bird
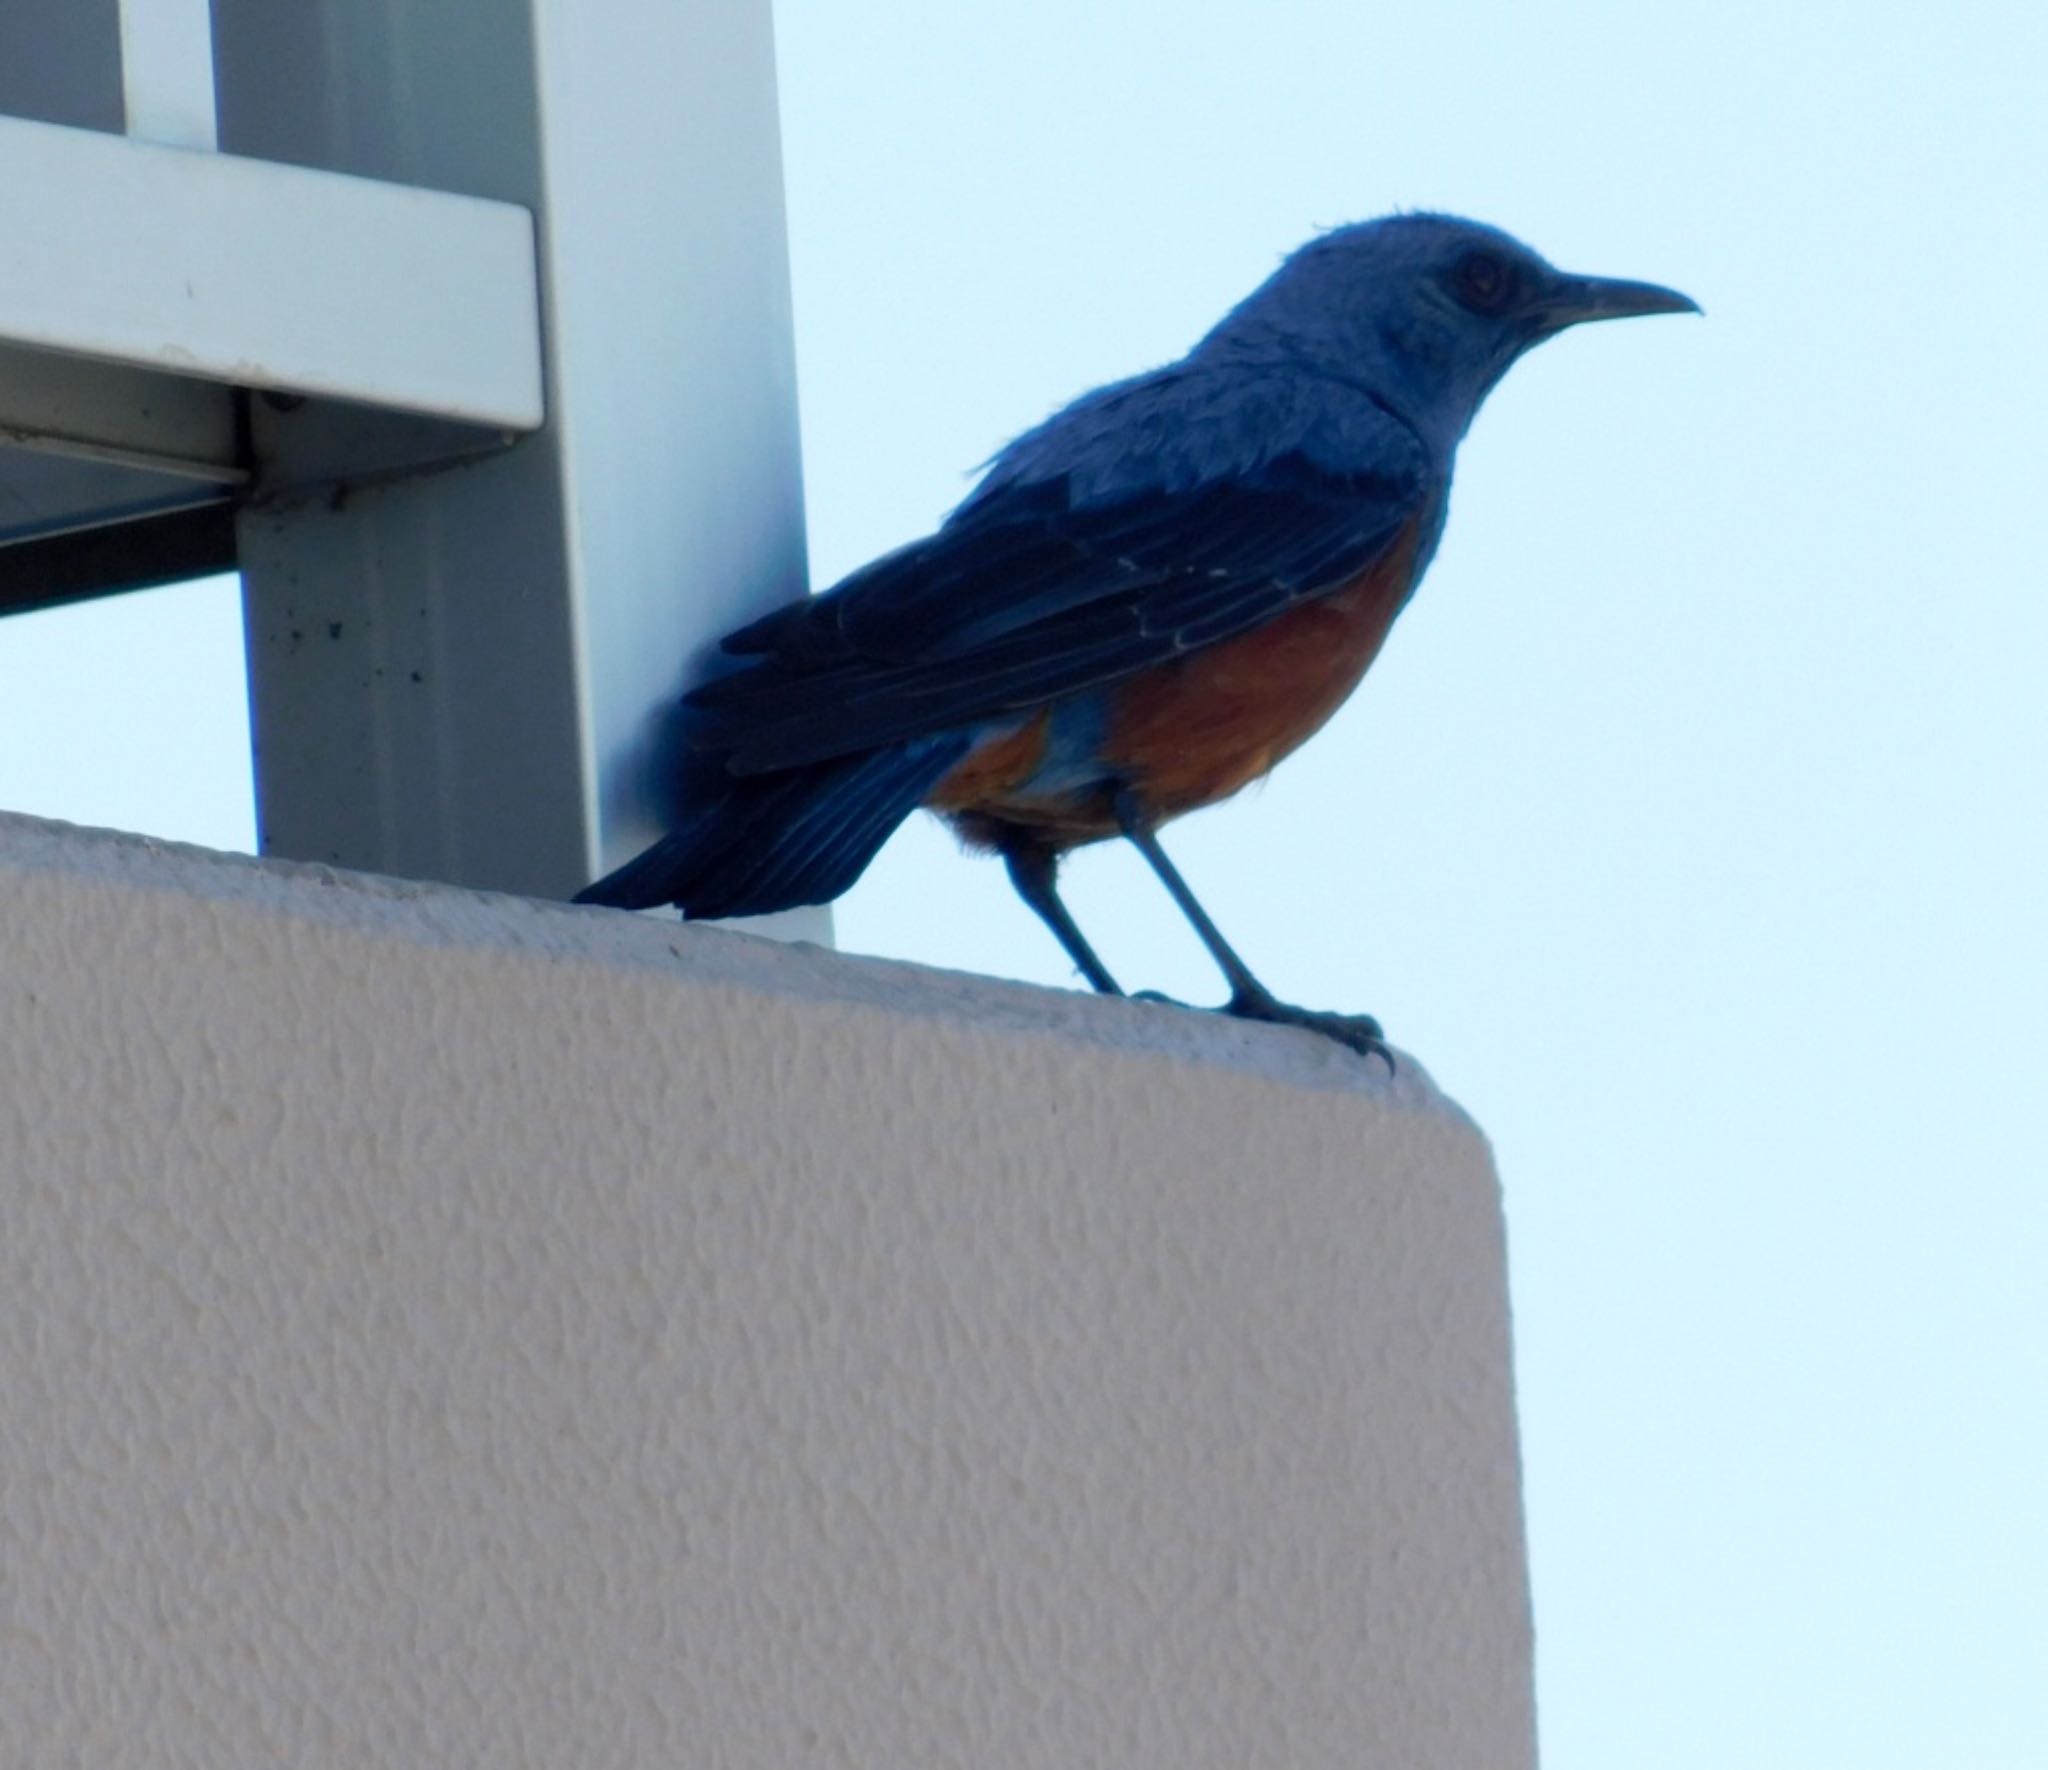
(1146,602)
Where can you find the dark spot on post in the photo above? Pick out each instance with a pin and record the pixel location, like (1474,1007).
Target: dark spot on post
(333,629)
(417,677)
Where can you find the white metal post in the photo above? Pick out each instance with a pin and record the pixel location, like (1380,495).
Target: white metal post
(167,72)
(466,674)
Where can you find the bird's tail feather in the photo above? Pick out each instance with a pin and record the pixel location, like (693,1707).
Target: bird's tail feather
(751,845)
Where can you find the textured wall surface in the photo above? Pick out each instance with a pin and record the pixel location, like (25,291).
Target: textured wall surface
(442,1330)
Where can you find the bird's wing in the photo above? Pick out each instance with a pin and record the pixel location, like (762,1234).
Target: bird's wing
(1025,598)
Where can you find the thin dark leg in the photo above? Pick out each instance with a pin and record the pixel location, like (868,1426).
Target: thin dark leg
(1249,998)
(1243,985)
(1033,870)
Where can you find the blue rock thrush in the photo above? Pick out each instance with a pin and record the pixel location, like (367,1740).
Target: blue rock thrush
(1147,601)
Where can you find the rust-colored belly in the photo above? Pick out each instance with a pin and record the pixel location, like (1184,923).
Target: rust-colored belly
(1198,729)
(1194,730)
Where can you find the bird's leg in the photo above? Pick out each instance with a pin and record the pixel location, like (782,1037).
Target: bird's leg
(1034,870)
(1249,998)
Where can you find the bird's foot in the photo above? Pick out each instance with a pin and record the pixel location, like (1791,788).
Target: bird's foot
(1358,1032)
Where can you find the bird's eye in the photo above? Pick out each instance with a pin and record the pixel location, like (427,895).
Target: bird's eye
(1484,280)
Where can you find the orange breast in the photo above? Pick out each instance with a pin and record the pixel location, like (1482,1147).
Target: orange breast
(1196,730)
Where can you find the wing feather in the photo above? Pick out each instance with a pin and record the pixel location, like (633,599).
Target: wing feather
(1025,598)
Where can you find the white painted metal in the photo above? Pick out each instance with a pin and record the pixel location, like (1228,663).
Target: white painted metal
(462,672)
(83,443)
(466,675)
(167,71)
(128,417)
(267,276)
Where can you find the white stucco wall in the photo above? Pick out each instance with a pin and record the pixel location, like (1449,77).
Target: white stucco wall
(445,1330)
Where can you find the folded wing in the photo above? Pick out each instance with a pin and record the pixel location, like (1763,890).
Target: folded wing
(1024,597)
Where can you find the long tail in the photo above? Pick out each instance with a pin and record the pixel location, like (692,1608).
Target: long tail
(756,843)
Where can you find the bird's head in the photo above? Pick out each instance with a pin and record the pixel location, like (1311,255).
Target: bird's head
(1425,312)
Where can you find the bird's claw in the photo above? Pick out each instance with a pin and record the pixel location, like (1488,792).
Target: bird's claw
(1357,1032)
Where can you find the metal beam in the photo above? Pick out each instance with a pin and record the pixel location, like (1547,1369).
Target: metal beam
(466,675)
(255,275)
(109,412)
(146,550)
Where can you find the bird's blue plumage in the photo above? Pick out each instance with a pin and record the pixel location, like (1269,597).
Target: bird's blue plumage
(799,836)
(1207,419)
(1035,596)
(1302,446)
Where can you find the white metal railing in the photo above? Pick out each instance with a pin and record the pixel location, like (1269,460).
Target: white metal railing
(455,675)
(167,71)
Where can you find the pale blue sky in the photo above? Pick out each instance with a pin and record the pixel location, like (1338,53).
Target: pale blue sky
(1690,829)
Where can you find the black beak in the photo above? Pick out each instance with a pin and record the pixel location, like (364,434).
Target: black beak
(1570,301)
